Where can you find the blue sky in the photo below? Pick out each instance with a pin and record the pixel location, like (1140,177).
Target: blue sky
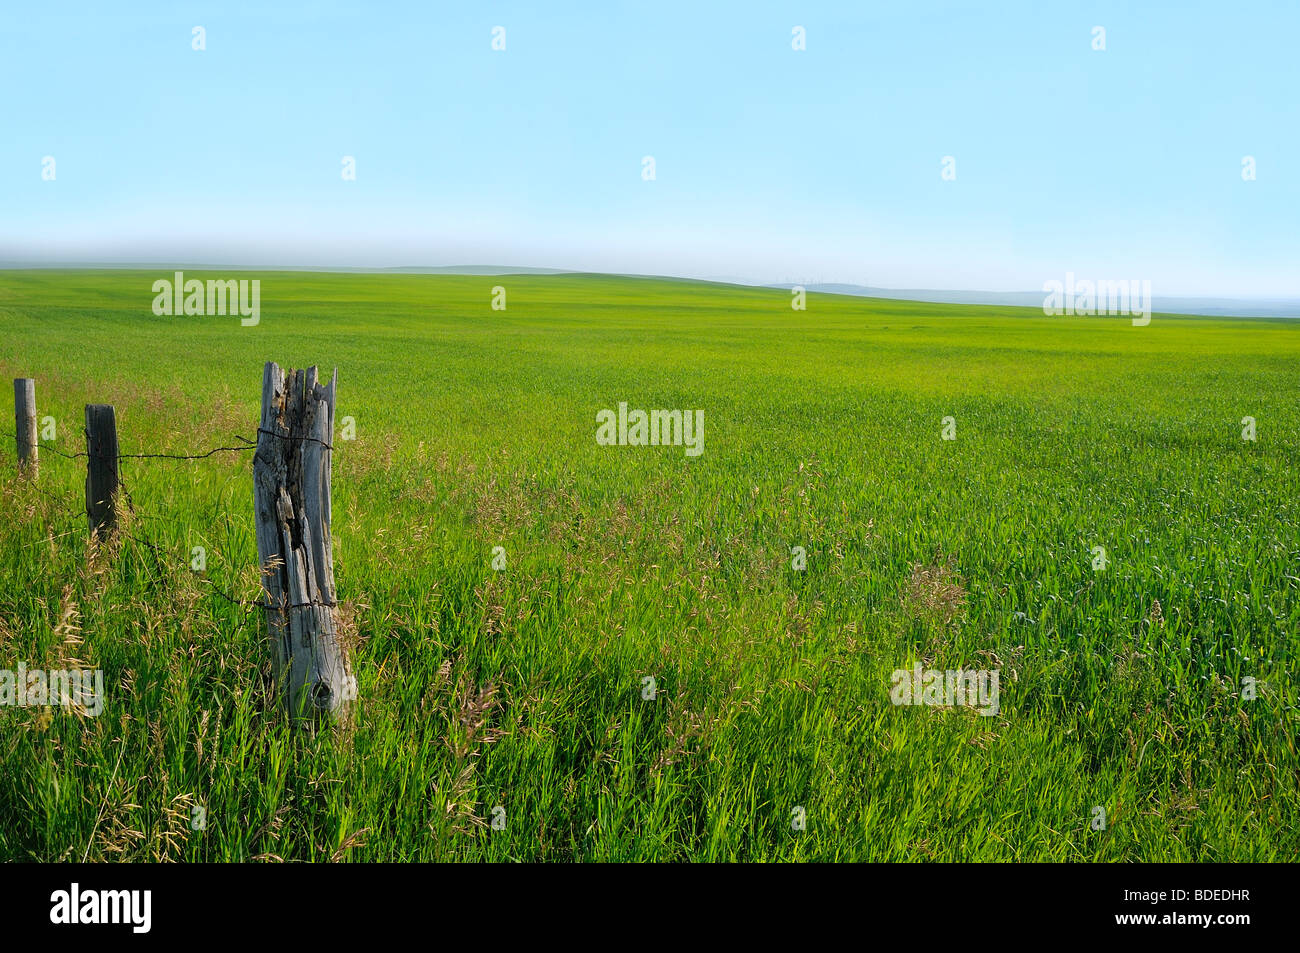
(771,164)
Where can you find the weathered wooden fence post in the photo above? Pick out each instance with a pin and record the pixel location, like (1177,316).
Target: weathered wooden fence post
(291,499)
(101,468)
(25,425)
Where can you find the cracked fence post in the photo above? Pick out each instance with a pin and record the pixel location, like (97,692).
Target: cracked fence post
(291,499)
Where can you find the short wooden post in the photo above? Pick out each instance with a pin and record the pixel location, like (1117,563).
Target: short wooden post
(291,501)
(25,425)
(101,468)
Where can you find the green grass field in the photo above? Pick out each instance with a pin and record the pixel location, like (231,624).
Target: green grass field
(1121,688)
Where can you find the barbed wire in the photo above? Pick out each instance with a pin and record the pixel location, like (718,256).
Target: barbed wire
(192,456)
(249,444)
(45,446)
(64,513)
(286,436)
(80,511)
(217,590)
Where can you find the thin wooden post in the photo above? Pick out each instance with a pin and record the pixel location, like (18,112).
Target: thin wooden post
(25,425)
(291,502)
(101,468)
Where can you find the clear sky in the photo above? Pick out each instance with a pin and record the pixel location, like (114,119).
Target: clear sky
(771,164)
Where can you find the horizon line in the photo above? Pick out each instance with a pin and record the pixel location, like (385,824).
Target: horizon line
(1215,305)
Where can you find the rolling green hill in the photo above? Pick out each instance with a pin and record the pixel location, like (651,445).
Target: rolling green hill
(1121,687)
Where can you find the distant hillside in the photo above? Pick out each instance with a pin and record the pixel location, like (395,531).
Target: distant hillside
(1210,307)
(1214,307)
